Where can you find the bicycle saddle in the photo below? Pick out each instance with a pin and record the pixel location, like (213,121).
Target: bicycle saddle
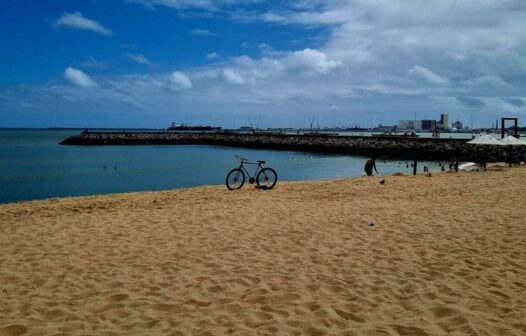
(260,161)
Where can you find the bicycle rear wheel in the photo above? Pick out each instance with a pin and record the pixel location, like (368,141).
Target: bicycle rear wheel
(267,178)
(235,179)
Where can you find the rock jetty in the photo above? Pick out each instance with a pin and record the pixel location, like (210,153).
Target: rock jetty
(380,146)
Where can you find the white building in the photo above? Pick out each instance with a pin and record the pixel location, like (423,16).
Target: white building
(418,125)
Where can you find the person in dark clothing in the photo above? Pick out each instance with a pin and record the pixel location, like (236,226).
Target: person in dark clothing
(369,165)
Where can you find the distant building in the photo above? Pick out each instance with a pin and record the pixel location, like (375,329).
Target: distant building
(443,124)
(457,124)
(408,124)
(246,129)
(385,128)
(418,125)
(429,125)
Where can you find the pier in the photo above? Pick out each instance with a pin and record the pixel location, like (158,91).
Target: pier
(389,147)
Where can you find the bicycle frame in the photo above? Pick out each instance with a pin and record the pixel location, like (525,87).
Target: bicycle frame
(264,177)
(243,161)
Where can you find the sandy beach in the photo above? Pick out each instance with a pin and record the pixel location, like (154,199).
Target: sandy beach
(446,256)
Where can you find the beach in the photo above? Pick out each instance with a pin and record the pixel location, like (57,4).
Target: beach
(419,255)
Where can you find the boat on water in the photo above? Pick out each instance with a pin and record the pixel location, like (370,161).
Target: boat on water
(187,127)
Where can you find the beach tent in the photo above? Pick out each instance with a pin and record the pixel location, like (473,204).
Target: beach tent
(485,139)
(511,141)
(508,142)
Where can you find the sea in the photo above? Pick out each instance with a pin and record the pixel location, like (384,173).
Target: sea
(33,165)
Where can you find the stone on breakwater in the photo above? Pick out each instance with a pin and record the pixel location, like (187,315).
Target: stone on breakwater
(386,147)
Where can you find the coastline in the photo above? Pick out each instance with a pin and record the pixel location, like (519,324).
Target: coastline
(390,147)
(444,256)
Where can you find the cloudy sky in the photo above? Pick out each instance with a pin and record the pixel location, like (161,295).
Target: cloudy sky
(145,63)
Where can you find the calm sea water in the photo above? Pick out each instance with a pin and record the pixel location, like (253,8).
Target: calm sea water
(34,166)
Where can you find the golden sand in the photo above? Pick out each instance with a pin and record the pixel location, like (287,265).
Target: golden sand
(447,255)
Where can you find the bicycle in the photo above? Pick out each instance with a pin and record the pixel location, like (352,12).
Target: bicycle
(265,178)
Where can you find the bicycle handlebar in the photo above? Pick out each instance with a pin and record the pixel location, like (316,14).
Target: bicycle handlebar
(242,159)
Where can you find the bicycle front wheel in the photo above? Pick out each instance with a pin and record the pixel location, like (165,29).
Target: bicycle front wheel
(235,179)
(267,178)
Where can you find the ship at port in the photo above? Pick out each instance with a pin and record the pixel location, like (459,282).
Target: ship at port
(187,127)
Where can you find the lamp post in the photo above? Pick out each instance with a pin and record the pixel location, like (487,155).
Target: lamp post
(471,124)
(471,121)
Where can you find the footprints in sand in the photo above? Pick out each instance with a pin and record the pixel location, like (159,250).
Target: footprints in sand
(147,266)
(118,297)
(170,308)
(56,314)
(280,314)
(347,315)
(409,330)
(215,289)
(13,330)
(443,312)
(258,319)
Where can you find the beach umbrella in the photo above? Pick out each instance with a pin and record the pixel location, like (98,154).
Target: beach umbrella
(485,139)
(512,141)
(508,142)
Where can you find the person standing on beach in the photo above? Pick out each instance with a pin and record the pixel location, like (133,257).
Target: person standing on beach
(369,165)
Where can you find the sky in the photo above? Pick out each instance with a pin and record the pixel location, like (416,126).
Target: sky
(232,63)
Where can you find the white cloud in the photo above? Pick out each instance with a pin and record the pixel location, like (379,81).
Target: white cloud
(212,55)
(92,62)
(424,74)
(517,102)
(313,59)
(79,78)
(267,50)
(138,58)
(177,4)
(180,81)
(488,85)
(77,21)
(202,32)
(385,57)
(273,17)
(209,5)
(233,77)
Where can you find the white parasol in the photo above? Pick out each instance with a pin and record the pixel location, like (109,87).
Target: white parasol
(512,141)
(485,139)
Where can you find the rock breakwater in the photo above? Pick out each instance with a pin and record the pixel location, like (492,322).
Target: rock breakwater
(380,146)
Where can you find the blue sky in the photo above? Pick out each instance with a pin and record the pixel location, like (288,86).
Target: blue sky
(145,63)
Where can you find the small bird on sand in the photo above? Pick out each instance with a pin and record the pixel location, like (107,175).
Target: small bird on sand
(382,182)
